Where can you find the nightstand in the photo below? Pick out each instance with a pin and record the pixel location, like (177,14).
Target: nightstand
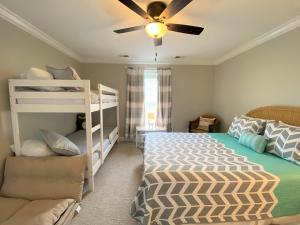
(142,130)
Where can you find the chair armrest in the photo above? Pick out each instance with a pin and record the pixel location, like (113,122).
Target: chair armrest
(213,128)
(193,124)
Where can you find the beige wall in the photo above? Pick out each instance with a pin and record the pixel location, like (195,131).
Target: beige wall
(18,52)
(192,89)
(112,75)
(266,75)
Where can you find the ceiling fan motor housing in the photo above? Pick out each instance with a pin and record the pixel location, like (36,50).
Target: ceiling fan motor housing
(155,9)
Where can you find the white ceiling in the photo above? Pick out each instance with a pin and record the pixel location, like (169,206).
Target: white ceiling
(86,27)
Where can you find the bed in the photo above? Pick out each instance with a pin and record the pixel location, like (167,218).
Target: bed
(68,96)
(210,178)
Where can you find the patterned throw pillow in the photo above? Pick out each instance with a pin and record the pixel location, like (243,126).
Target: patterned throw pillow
(283,141)
(255,142)
(246,124)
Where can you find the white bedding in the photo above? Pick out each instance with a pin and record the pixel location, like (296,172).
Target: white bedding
(95,99)
(53,101)
(79,138)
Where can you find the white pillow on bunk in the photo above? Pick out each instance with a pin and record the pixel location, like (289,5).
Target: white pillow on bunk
(35,148)
(38,74)
(60,144)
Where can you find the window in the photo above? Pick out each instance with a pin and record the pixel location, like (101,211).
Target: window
(150,96)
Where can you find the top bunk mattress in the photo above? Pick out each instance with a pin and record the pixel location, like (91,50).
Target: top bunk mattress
(95,99)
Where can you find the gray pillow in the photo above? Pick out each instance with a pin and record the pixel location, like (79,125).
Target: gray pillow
(68,73)
(246,124)
(59,144)
(283,141)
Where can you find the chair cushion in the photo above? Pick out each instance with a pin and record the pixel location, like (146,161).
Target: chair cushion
(9,206)
(205,122)
(54,177)
(40,212)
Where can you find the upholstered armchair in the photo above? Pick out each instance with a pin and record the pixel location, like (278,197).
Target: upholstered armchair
(203,124)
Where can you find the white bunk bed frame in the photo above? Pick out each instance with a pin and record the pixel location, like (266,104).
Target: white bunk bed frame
(86,107)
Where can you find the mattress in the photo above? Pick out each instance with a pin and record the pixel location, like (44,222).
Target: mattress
(200,178)
(288,190)
(79,138)
(95,99)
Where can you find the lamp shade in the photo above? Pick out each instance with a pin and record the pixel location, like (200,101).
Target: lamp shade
(156,29)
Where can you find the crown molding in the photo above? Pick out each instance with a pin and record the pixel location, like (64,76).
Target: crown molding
(21,23)
(274,33)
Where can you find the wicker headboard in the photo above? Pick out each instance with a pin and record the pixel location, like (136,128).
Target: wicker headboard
(286,114)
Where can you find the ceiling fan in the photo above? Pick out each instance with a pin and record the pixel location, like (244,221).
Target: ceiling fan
(158,13)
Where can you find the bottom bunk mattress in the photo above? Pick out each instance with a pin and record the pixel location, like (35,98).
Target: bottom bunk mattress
(79,138)
(200,178)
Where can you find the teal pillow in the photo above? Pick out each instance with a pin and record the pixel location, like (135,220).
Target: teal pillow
(256,142)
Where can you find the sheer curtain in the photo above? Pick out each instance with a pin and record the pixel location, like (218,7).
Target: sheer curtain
(134,102)
(164,103)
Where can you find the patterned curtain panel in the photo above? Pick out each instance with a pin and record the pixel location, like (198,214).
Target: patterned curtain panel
(164,103)
(135,101)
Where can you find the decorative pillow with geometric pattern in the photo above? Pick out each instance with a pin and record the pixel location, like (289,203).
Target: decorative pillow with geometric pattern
(261,123)
(283,141)
(246,124)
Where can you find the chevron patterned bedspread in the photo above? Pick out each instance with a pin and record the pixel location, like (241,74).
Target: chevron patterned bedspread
(192,178)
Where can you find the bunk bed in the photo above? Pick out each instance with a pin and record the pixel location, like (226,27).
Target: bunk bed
(70,96)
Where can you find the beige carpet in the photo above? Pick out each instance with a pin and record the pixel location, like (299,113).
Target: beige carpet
(116,184)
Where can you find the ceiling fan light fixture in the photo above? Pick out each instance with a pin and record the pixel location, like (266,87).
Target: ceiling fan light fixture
(156,29)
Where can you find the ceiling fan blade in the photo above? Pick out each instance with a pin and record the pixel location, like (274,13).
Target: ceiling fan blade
(157,41)
(129,29)
(136,8)
(173,8)
(187,29)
